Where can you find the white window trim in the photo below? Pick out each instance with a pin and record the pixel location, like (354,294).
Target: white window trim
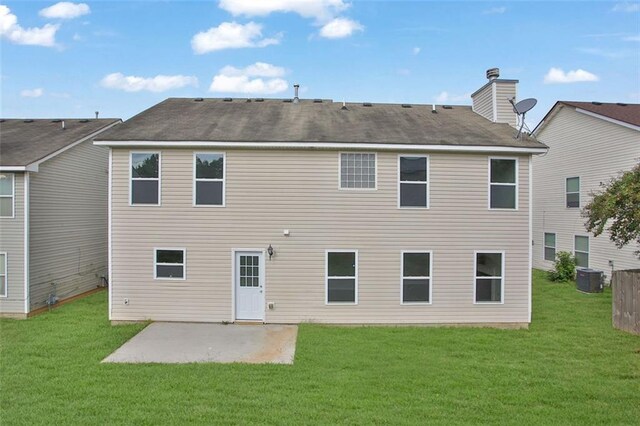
(502,279)
(223,180)
(580,251)
(131,178)
(516,184)
(375,177)
(183,264)
(6,274)
(12,196)
(326,276)
(427,183)
(545,246)
(402,277)
(566,193)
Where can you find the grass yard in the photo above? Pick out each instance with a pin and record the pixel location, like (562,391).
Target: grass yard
(570,367)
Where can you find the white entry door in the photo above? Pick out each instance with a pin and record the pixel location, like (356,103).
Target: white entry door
(249,285)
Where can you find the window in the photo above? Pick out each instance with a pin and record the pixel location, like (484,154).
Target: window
(581,251)
(416,277)
(503,183)
(549,246)
(145,178)
(342,276)
(414,189)
(357,171)
(7,190)
(209,179)
(573,192)
(169,264)
(3,275)
(489,277)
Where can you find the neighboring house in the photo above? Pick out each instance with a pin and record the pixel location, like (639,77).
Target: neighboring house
(589,143)
(288,211)
(53,211)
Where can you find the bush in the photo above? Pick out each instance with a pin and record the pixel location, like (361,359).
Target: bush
(565,267)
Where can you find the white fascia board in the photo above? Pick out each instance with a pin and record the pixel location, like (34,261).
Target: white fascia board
(321,145)
(610,120)
(29,168)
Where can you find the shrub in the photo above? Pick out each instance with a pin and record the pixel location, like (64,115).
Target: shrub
(565,267)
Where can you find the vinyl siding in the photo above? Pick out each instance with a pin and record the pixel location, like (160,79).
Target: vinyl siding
(595,150)
(68,242)
(504,92)
(483,102)
(12,242)
(269,191)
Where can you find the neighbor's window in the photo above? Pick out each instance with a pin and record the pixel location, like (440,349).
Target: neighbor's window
(209,179)
(573,192)
(581,251)
(414,189)
(169,264)
(342,276)
(7,188)
(549,246)
(489,277)
(416,277)
(145,178)
(3,275)
(503,183)
(357,171)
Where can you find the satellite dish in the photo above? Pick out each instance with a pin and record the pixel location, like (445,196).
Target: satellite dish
(521,108)
(524,105)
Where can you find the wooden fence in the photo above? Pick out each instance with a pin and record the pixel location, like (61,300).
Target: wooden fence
(626,300)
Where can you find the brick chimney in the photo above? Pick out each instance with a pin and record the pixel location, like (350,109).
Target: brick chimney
(492,100)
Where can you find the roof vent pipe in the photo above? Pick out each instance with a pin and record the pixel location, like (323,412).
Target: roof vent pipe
(493,73)
(62,124)
(97,113)
(295,97)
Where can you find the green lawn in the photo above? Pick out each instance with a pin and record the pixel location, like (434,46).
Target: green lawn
(569,367)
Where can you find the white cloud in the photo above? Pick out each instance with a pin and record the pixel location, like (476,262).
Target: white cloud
(321,10)
(258,78)
(627,7)
(447,97)
(403,71)
(495,11)
(65,10)
(159,83)
(11,30)
(340,27)
(557,75)
(32,93)
(632,38)
(231,35)
(610,54)
(416,50)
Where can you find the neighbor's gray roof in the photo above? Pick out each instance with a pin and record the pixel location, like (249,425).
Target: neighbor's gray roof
(25,141)
(273,120)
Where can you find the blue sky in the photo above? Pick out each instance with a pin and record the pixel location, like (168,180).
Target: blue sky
(69,60)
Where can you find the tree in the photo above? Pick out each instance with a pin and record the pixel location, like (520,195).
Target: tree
(617,203)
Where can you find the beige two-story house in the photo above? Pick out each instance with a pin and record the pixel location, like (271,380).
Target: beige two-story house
(53,212)
(289,211)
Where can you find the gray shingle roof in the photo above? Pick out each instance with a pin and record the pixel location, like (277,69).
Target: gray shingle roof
(24,141)
(274,120)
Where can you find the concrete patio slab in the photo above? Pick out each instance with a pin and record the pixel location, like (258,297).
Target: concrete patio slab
(177,343)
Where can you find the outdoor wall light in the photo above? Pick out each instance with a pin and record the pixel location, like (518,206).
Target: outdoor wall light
(270,251)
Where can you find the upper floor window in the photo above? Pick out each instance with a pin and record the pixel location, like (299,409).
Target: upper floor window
(413,180)
(572,189)
(503,183)
(489,277)
(209,179)
(145,178)
(549,246)
(7,192)
(357,170)
(581,251)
